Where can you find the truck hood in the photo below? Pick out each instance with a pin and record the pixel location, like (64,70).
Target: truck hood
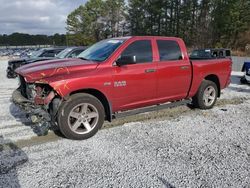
(52,68)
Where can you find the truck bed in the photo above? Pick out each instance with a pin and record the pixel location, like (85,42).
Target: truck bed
(203,68)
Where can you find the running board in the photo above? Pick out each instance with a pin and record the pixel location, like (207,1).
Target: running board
(151,108)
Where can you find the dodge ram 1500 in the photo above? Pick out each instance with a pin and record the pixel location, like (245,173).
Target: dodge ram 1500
(117,76)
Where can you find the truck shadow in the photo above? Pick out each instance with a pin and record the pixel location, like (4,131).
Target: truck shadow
(20,116)
(11,157)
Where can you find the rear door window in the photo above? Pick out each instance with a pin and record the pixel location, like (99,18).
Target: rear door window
(169,50)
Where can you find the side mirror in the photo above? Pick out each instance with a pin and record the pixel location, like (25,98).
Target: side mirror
(126,60)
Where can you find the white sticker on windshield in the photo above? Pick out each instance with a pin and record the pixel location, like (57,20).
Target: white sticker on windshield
(113,41)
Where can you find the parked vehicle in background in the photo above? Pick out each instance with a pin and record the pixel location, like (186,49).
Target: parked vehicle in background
(47,52)
(117,77)
(246,69)
(70,52)
(17,52)
(210,53)
(40,55)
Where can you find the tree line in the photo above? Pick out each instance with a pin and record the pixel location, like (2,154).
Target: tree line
(201,23)
(17,39)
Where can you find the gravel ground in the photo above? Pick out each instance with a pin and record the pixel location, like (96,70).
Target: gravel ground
(178,147)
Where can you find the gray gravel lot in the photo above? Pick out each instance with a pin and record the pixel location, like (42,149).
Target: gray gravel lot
(192,148)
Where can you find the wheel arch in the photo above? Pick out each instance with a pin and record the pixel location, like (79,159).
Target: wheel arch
(214,78)
(100,96)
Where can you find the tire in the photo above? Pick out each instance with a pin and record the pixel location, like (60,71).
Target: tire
(11,75)
(243,80)
(206,96)
(80,117)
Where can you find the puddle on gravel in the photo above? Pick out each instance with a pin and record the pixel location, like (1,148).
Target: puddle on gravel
(37,140)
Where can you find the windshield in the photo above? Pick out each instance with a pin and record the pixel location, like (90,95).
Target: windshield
(101,50)
(64,53)
(36,54)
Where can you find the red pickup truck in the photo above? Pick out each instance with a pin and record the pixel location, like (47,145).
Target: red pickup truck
(117,76)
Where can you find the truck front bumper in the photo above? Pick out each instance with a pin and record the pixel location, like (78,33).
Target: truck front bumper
(36,113)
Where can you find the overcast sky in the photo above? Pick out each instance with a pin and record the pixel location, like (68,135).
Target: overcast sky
(35,16)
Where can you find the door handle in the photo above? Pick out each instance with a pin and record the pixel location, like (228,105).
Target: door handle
(150,70)
(184,67)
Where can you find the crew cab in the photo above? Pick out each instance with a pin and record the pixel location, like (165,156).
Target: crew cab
(117,76)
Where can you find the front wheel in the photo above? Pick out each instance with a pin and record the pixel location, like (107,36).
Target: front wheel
(81,117)
(206,96)
(11,74)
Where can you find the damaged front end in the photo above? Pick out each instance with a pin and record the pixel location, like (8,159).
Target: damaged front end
(39,101)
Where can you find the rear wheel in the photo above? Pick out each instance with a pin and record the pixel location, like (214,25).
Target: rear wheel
(206,96)
(81,117)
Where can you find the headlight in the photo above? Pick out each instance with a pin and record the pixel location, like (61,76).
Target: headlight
(248,72)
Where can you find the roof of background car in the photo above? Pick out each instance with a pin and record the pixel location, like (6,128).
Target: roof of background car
(203,49)
(77,47)
(122,38)
(54,48)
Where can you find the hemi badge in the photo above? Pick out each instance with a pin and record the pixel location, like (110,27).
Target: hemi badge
(107,83)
